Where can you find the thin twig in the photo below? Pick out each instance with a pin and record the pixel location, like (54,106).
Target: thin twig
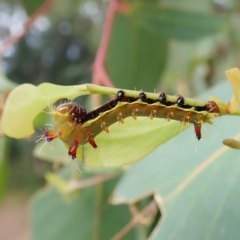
(75,184)
(137,218)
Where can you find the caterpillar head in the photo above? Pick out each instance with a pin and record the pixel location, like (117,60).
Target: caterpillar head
(67,116)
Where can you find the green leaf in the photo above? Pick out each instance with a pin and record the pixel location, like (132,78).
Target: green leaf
(178,62)
(176,23)
(198,183)
(125,144)
(208,205)
(136,56)
(3,165)
(89,216)
(53,152)
(205,6)
(26,101)
(32,6)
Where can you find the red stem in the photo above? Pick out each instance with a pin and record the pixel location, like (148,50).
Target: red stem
(100,74)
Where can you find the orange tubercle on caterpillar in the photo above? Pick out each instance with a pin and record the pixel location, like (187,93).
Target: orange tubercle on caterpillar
(170,116)
(104,126)
(135,113)
(75,126)
(186,119)
(153,113)
(120,117)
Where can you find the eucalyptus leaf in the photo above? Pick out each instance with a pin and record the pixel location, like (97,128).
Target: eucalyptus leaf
(26,101)
(136,57)
(176,23)
(198,183)
(88,216)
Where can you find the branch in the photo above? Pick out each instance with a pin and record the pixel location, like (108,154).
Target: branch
(74,184)
(149,209)
(100,74)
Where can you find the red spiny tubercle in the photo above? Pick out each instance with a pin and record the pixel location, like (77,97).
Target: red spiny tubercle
(50,135)
(197,128)
(73,149)
(90,139)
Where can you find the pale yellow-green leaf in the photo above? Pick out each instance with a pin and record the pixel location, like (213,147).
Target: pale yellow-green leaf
(26,101)
(126,143)
(129,142)
(233,76)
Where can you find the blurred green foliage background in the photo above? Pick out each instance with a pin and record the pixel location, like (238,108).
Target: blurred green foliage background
(173,46)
